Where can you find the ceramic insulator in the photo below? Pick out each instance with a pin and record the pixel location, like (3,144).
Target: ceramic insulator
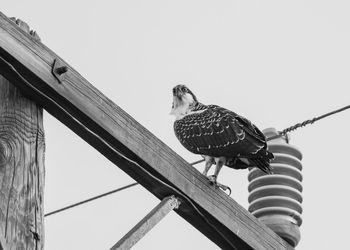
(276,199)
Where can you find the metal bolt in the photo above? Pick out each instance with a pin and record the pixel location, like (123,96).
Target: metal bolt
(61,70)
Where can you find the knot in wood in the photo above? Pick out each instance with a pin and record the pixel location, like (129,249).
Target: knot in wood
(6,152)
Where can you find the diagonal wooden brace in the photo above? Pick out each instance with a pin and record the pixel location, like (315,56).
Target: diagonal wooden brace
(147,223)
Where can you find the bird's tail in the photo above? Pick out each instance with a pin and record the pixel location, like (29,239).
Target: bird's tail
(263,162)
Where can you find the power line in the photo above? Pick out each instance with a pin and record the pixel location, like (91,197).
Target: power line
(101,195)
(307,122)
(91,199)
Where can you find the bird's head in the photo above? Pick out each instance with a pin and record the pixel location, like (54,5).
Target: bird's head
(183,101)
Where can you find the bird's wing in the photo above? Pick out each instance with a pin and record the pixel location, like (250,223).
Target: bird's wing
(251,129)
(218,132)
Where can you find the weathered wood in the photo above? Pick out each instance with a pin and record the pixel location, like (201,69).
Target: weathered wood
(109,129)
(21,168)
(147,223)
(3,243)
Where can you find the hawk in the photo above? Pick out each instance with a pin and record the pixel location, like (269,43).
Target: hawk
(221,136)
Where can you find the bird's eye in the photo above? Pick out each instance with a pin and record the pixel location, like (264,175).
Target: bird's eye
(184,89)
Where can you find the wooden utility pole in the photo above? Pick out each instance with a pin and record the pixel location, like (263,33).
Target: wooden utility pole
(21,167)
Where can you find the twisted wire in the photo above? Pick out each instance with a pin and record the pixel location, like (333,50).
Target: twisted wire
(306,122)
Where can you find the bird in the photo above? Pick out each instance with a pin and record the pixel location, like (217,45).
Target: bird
(219,135)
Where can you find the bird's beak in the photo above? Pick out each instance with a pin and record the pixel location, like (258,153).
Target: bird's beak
(177,93)
(176,103)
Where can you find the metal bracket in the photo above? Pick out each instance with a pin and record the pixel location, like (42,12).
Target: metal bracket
(147,223)
(59,70)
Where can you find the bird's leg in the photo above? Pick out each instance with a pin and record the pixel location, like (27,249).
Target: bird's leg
(219,163)
(208,163)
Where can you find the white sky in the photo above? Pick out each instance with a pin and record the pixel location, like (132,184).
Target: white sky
(275,62)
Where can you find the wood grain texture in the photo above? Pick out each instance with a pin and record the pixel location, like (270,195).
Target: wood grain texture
(21,168)
(3,243)
(109,129)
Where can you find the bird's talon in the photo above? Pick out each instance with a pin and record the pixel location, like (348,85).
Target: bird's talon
(223,188)
(212,179)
